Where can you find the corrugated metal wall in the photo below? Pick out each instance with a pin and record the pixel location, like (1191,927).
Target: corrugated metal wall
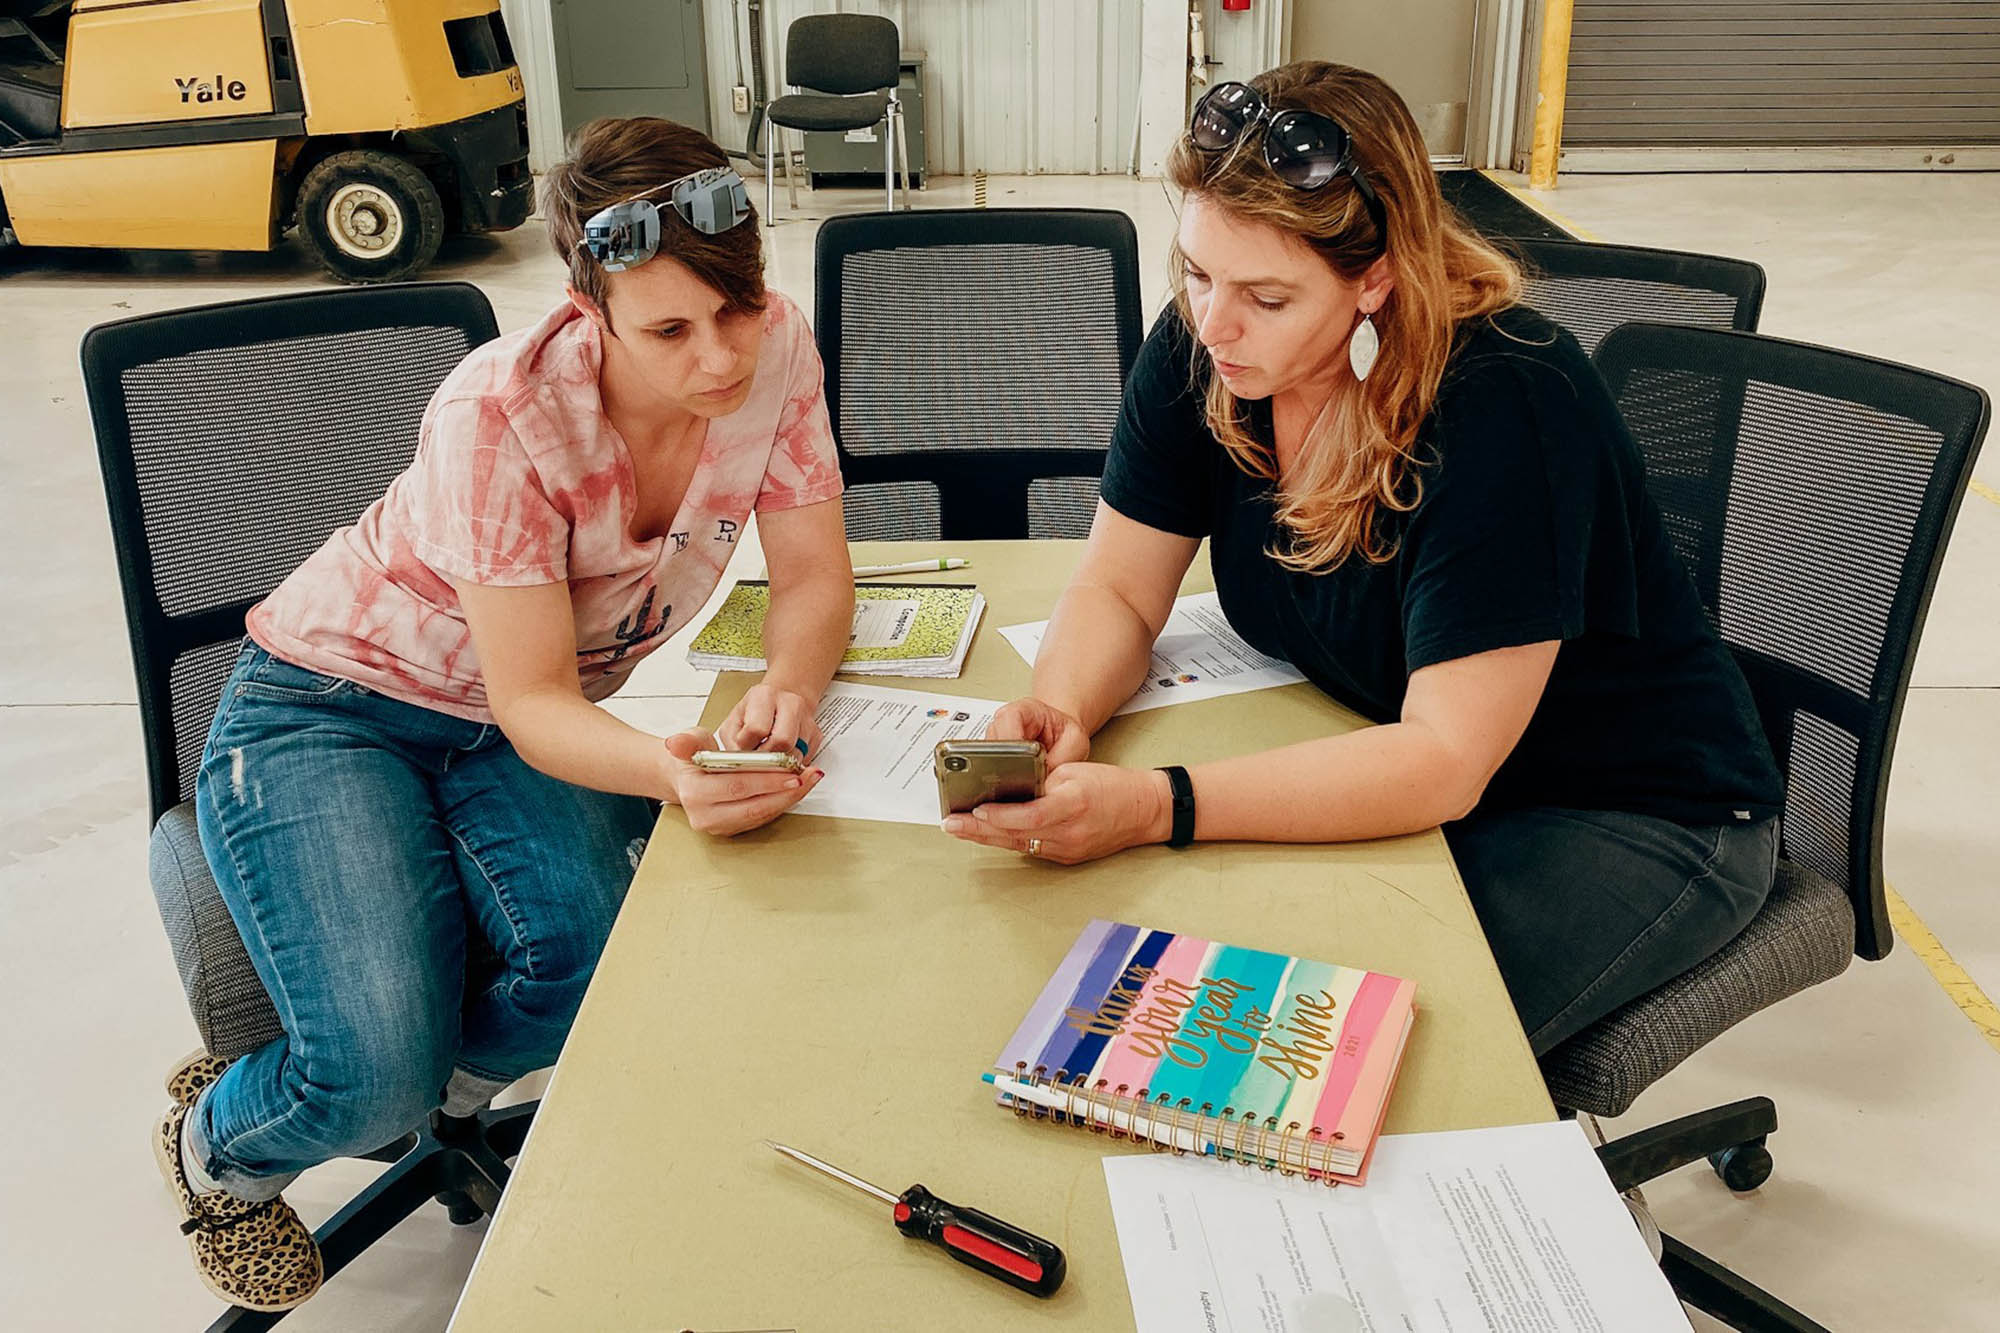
(1011,86)
(1654,73)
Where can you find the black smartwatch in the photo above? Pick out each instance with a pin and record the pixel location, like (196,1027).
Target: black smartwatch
(1183,789)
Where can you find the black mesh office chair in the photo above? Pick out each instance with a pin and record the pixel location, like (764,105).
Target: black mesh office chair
(974,363)
(850,66)
(233,439)
(1591,289)
(1811,493)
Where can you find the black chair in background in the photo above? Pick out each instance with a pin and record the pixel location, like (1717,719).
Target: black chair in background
(233,439)
(1811,492)
(850,65)
(1591,289)
(975,359)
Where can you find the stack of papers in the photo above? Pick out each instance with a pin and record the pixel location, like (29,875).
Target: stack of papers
(1512,1230)
(923,631)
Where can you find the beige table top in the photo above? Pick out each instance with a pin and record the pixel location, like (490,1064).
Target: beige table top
(840,985)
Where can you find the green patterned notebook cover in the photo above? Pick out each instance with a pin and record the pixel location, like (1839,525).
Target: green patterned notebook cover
(937,623)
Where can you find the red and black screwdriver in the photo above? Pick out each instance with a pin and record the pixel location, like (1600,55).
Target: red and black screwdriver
(966,1234)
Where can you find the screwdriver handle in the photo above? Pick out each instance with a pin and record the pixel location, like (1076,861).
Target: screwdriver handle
(983,1242)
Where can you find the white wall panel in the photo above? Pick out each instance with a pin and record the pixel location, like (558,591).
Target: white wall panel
(1011,86)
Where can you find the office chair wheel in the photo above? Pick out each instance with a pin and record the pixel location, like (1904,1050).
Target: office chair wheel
(1744,1167)
(462,1210)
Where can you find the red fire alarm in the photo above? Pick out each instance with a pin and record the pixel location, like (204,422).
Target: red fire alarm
(1236,4)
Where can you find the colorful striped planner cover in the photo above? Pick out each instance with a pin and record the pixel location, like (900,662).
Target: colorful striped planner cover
(1234,1053)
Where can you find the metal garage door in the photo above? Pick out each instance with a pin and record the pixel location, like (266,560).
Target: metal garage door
(1647,74)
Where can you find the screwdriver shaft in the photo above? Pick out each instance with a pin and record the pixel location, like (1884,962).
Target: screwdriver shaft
(834,1171)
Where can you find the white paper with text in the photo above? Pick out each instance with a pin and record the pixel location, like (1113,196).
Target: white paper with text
(876,744)
(1511,1230)
(1198,656)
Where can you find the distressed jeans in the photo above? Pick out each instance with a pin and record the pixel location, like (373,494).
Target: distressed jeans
(362,844)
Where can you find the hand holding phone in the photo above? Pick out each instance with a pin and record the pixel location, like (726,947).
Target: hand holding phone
(749,789)
(973,773)
(1064,739)
(748,761)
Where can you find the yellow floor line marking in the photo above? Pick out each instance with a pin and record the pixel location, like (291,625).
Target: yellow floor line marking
(1533,200)
(1961,988)
(1985,492)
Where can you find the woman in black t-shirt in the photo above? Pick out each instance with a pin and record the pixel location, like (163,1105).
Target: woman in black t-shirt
(1450,535)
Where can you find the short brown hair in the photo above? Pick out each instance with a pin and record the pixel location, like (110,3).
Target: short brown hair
(611,160)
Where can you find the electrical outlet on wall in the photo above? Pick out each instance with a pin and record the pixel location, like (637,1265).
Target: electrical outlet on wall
(739,97)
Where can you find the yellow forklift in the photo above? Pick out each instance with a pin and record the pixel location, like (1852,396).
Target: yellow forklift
(372,126)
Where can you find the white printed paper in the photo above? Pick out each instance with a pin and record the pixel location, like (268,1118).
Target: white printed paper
(876,750)
(1198,656)
(1511,1230)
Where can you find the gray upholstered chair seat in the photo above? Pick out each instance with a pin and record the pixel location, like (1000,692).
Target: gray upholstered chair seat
(231,1008)
(818,111)
(1803,935)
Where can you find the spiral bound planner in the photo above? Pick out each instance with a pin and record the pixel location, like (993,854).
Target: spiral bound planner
(1188,1045)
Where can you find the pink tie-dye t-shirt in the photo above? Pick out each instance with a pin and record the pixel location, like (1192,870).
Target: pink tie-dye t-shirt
(520,479)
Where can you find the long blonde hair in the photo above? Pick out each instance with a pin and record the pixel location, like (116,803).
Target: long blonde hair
(1357,460)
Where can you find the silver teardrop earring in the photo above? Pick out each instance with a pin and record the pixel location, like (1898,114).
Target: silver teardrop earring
(1363,346)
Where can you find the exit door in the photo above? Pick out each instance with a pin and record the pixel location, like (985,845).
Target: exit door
(631,58)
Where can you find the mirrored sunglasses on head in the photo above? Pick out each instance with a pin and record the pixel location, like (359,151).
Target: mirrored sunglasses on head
(627,234)
(1304,149)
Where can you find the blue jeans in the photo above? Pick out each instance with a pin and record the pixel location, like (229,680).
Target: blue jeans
(1588,909)
(362,844)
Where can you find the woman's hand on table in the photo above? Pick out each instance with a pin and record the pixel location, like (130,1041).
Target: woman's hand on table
(1064,739)
(729,803)
(1086,811)
(768,717)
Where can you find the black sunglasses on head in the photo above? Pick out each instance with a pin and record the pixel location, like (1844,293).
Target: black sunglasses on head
(1304,149)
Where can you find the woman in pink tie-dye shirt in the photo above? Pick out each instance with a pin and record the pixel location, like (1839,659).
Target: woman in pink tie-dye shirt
(410,755)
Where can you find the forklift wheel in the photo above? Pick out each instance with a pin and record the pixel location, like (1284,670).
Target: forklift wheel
(370,216)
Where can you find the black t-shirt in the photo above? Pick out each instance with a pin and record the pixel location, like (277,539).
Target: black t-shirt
(1533,524)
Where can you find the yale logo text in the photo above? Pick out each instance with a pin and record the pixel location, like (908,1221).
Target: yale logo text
(198,89)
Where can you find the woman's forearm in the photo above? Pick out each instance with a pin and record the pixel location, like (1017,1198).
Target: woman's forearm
(1375,783)
(563,734)
(806,633)
(1093,656)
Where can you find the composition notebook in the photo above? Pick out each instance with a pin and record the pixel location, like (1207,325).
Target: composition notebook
(1195,1046)
(922,630)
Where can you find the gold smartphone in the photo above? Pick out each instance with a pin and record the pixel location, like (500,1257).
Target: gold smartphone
(748,761)
(971,773)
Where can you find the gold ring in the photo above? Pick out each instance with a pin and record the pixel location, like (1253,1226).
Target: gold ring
(1034,846)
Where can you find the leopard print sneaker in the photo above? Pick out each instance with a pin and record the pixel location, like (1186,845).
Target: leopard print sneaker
(258,1256)
(196,1070)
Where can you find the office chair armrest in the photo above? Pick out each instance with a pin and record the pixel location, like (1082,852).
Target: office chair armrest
(1803,935)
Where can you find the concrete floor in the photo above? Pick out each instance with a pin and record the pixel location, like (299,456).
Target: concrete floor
(1879,1215)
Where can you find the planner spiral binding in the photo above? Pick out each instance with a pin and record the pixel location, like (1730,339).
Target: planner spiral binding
(1246,1138)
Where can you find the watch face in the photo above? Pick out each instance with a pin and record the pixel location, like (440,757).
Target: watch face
(1182,787)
